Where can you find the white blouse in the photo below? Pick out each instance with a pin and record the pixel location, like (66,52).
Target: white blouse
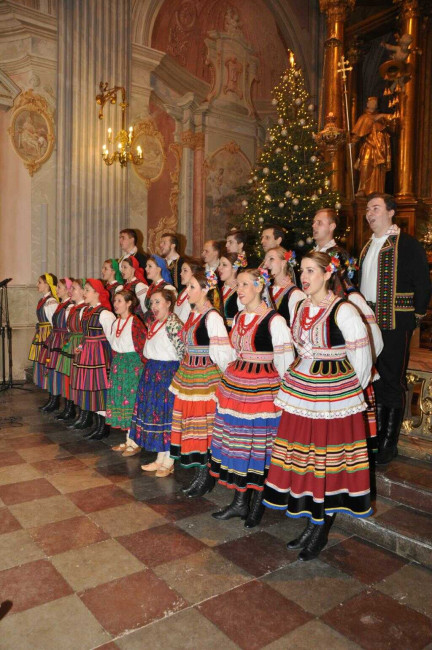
(140,292)
(283,350)
(106,319)
(294,298)
(49,307)
(221,351)
(357,345)
(368,315)
(124,342)
(183,309)
(160,348)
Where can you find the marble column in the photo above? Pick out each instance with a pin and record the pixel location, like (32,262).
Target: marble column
(198,194)
(92,199)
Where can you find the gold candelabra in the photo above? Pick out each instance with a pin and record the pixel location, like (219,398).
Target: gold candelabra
(121,144)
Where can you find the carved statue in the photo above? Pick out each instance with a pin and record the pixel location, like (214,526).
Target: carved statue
(402,50)
(396,69)
(374,159)
(232,24)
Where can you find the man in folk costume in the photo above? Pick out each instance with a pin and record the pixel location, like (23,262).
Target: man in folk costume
(394,279)
(324,226)
(168,249)
(128,244)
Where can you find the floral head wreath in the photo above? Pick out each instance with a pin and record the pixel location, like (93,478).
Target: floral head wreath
(290,257)
(333,265)
(212,279)
(240,262)
(50,283)
(264,278)
(351,266)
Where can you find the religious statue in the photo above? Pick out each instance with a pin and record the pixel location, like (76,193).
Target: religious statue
(374,159)
(396,69)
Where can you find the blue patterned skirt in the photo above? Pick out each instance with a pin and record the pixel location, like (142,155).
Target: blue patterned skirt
(152,417)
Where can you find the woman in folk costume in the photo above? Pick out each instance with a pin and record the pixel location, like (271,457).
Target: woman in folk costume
(182,306)
(55,341)
(112,277)
(229,265)
(46,285)
(208,352)
(134,280)
(346,273)
(127,338)
(284,292)
(159,277)
(65,359)
(93,358)
(246,419)
(152,417)
(319,462)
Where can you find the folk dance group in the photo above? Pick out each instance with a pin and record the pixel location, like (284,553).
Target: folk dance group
(263,387)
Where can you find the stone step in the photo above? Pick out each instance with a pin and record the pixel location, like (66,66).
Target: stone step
(396,527)
(406,481)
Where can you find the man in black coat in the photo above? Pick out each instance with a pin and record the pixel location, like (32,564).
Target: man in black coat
(128,244)
(394,279)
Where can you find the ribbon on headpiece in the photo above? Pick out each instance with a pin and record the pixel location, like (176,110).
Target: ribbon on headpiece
(351,267)
(241,261)
(50,283)
(211,279)
(166,275)
(68,284)
(139,273)
(290,257)
(333,265)
(116,268)
(264,278)
(104,297)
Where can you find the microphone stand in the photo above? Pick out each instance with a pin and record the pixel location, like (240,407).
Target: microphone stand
(6,335)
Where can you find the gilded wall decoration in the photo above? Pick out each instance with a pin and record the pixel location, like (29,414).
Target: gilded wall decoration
(32,130)
(225,170)
(168,223)
(152,144)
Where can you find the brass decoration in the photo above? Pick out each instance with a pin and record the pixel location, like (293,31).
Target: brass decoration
(169,223)
(337,9)
(152,144)
(418,412)
(192,140)
(331,137)
(32,130)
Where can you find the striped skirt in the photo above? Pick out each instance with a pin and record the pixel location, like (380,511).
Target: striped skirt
(318,467)
(194,386)
(125,374)
(153,412)
(37,352)
(89,378)
(245,425)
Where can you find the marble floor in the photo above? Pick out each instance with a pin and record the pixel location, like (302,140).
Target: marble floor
(95,554)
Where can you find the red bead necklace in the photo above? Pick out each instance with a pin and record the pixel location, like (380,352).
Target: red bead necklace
(182,298)
(88,312)
(119,329)
(242,328)
(154,329)
(307,321)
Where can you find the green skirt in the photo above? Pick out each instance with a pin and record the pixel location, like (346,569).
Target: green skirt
(125,373)
(67,354)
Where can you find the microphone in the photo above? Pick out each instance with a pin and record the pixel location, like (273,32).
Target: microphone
(4,282)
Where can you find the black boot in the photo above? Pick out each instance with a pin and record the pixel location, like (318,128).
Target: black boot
(256,509)
(47,404)
(387,449)
(238,508)
(84,421)
(53,405)
(103,430)
(68,413)
(191,485)
(95,426)
(303,538)
(317,540)
(204,483)
(43,407)
(382,413)
(61,415)
(78,418)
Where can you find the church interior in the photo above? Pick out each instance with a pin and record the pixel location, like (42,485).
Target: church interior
(152,115)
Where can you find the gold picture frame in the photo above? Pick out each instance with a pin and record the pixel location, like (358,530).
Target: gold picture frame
(152,144)
(32,130)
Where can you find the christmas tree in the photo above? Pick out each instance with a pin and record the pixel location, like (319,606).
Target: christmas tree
(290,180)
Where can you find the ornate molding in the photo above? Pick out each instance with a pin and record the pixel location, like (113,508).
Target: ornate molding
(152,144)
(336,10)
(169,223)
(408,8)
(192,140)
(32,130)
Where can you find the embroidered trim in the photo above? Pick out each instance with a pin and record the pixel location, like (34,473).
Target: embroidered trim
(404,301)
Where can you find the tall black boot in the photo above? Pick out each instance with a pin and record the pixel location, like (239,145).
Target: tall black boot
(61,415)
(95,426)
(303,538)
(317,540)
(191,485)
(103,430)
(84,422)
(204,483)
(68,413)
(53,405)
(238,508)
(43,407)
(387,449)
(382,414)
(78,418)
(256,509)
